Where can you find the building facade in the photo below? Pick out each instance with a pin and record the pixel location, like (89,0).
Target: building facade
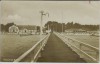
(13,29)
(23,29)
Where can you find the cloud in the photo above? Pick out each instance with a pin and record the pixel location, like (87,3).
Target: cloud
(14,17)
(17,19)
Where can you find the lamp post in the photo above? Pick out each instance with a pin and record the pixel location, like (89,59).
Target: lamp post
(42,13)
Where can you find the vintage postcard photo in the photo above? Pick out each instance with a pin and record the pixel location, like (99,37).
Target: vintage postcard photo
(49,31)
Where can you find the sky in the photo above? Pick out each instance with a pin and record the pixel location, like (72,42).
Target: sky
(28,12)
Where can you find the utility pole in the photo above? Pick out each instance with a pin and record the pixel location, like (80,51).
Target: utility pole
(62,21)
(48,28)
(89,1)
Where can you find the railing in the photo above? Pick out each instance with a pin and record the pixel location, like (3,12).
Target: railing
(85,51)
(33,53)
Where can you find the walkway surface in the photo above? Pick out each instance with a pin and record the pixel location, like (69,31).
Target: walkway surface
(56,51)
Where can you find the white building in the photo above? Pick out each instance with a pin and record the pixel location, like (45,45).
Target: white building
(13,29)
(23,29)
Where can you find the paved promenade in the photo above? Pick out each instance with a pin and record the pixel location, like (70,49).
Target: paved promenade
(56,51)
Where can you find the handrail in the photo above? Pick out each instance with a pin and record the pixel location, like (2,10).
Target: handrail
(83,52)
(83,43)
(31,49)
(94,59)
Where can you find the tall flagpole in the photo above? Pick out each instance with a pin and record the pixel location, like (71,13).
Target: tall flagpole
(41,32)
(42,13)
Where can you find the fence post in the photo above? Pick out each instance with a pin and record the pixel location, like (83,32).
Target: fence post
(80,46)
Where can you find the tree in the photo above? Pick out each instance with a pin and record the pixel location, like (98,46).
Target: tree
(55,26)
(69,25)
(38,28)
(2,28)
(76,25)
(7,26)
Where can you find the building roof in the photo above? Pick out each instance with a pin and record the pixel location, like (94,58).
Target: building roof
(29,27)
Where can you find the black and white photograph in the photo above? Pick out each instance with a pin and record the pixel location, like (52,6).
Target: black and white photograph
(49,31)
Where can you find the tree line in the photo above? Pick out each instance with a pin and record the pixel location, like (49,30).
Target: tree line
(5,28)
(59,27)
(55,26)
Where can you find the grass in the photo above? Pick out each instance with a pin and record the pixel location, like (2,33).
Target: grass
(12,46)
